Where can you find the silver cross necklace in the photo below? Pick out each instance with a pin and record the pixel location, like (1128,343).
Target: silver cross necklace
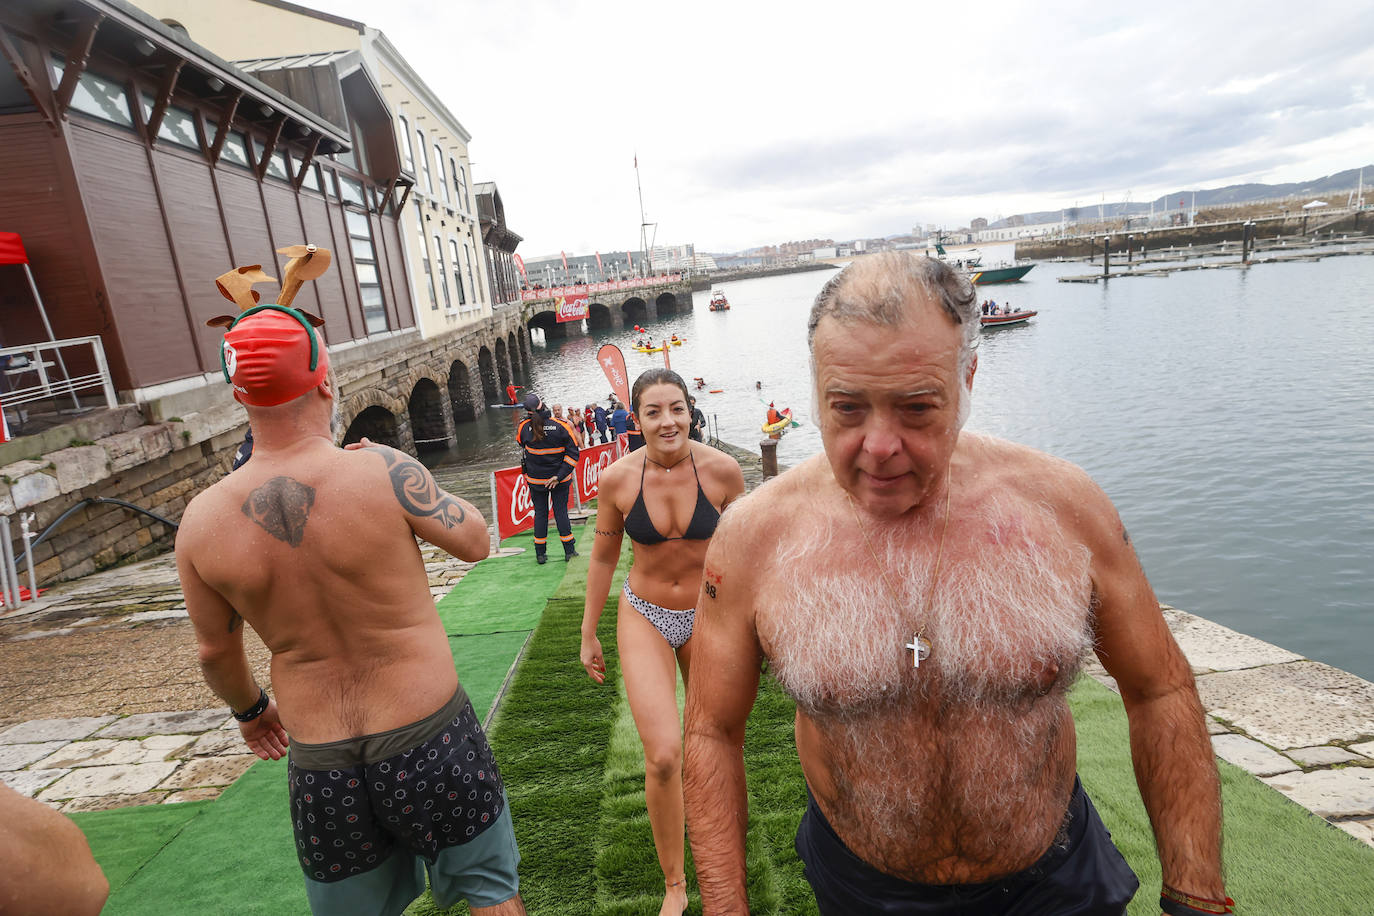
(920,646)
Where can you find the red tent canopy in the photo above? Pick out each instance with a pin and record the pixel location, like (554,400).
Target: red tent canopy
(12,249)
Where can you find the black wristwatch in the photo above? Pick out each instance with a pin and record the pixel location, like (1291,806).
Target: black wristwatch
(252,712)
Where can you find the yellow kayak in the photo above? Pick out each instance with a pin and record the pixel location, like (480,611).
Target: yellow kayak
(781,425)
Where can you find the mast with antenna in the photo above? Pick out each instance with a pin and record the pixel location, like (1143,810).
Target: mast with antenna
(644,240)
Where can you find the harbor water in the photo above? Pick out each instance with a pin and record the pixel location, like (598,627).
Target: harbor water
(1228,413)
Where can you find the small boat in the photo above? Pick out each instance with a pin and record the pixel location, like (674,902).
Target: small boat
(677,341)
(718,301)
(1002,321)
(999,274)
(649,349)
(782,425)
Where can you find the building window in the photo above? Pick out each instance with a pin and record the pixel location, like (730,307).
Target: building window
(443,273)
(467,264)
(178,125)
(463,188)
(312,178)
(365,267)
(98,97)
(279,167)
(234,149)
(453,248)
(424,253)
(406,151)
(424,160)
(351,191)
(439,171)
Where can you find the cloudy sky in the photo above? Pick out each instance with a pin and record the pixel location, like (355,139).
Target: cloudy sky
(760,122)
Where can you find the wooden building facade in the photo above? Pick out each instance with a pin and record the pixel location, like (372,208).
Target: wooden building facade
(137,167)
(498,244)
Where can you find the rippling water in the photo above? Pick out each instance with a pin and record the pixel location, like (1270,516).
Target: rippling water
(1229,414)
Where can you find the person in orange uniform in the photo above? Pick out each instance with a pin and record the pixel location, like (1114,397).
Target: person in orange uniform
(549,461)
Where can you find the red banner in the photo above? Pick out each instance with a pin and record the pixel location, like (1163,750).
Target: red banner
(514,509)
(613,364)
(582,289)
(590,463)
(520,265)
(572,306)
(598,263)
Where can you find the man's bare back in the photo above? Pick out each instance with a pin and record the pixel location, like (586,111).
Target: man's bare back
(314,546)
(898,756)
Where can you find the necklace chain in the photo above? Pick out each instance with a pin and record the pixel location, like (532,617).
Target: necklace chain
(918,642)
(668,468)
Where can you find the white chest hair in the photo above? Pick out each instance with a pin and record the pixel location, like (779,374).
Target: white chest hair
(1007,617)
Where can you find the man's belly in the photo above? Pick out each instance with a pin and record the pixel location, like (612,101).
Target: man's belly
(950,802)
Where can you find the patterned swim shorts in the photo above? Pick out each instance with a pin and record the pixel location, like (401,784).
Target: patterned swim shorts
(421,789)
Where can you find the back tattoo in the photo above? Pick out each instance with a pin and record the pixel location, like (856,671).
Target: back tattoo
(416,490)
(281,507)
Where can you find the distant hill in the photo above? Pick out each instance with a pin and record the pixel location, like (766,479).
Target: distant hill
(1341,182)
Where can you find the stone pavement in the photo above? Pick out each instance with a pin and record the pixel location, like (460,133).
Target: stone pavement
(1302,727)
(102,703)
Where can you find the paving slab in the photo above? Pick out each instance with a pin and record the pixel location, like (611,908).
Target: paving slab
(200,793)
(1324,756)
(209,771)
(1213,647)
(166,723)
(54,729)
(109,780)
(107,751)
(1365,748)
(217,743)
(1298,704)
(144,616)
(1251,756)
(106,802)
(1216,728)
(18,756)
(30,782)
(1347,792)
(1362,830)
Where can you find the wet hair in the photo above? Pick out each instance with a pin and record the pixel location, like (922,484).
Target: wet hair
(657,377)
(879,289)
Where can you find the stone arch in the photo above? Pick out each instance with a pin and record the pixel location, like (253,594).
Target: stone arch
(460,398)
(666,304)
(486,370)
(548,323)
(519,371)
(431,416)
(599,317)
(378,424)
(635,311)
(523,338)
(503,373)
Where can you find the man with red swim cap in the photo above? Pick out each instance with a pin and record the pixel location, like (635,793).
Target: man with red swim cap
(390,775)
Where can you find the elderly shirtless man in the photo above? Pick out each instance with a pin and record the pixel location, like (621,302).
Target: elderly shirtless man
(314,546)
(926,597)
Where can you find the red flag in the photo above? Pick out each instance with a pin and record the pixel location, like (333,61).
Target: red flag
(613,364)
(598,263)
(565,259)
(520,265)
(12,249)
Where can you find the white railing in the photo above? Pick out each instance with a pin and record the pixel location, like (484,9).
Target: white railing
(26,370)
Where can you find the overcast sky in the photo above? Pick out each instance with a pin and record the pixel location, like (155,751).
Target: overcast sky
(758,123)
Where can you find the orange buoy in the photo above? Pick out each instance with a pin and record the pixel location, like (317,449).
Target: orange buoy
(717,390)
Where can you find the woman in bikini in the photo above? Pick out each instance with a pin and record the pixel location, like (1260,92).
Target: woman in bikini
(667,497)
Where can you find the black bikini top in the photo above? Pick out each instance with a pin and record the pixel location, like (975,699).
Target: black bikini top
(641,528)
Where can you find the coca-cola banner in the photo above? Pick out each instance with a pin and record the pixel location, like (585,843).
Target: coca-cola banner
(590,463)
(514,509)
(572,306)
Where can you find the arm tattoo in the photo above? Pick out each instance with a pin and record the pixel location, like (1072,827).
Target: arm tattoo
(609,534)
(281,507)
(713,580)
(417,492)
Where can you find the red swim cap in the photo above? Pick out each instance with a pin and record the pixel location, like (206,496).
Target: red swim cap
(271,355)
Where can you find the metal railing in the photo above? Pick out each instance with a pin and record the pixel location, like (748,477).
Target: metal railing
(37,358)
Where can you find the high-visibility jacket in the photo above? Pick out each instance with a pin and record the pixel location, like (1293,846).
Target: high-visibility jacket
(552,458)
